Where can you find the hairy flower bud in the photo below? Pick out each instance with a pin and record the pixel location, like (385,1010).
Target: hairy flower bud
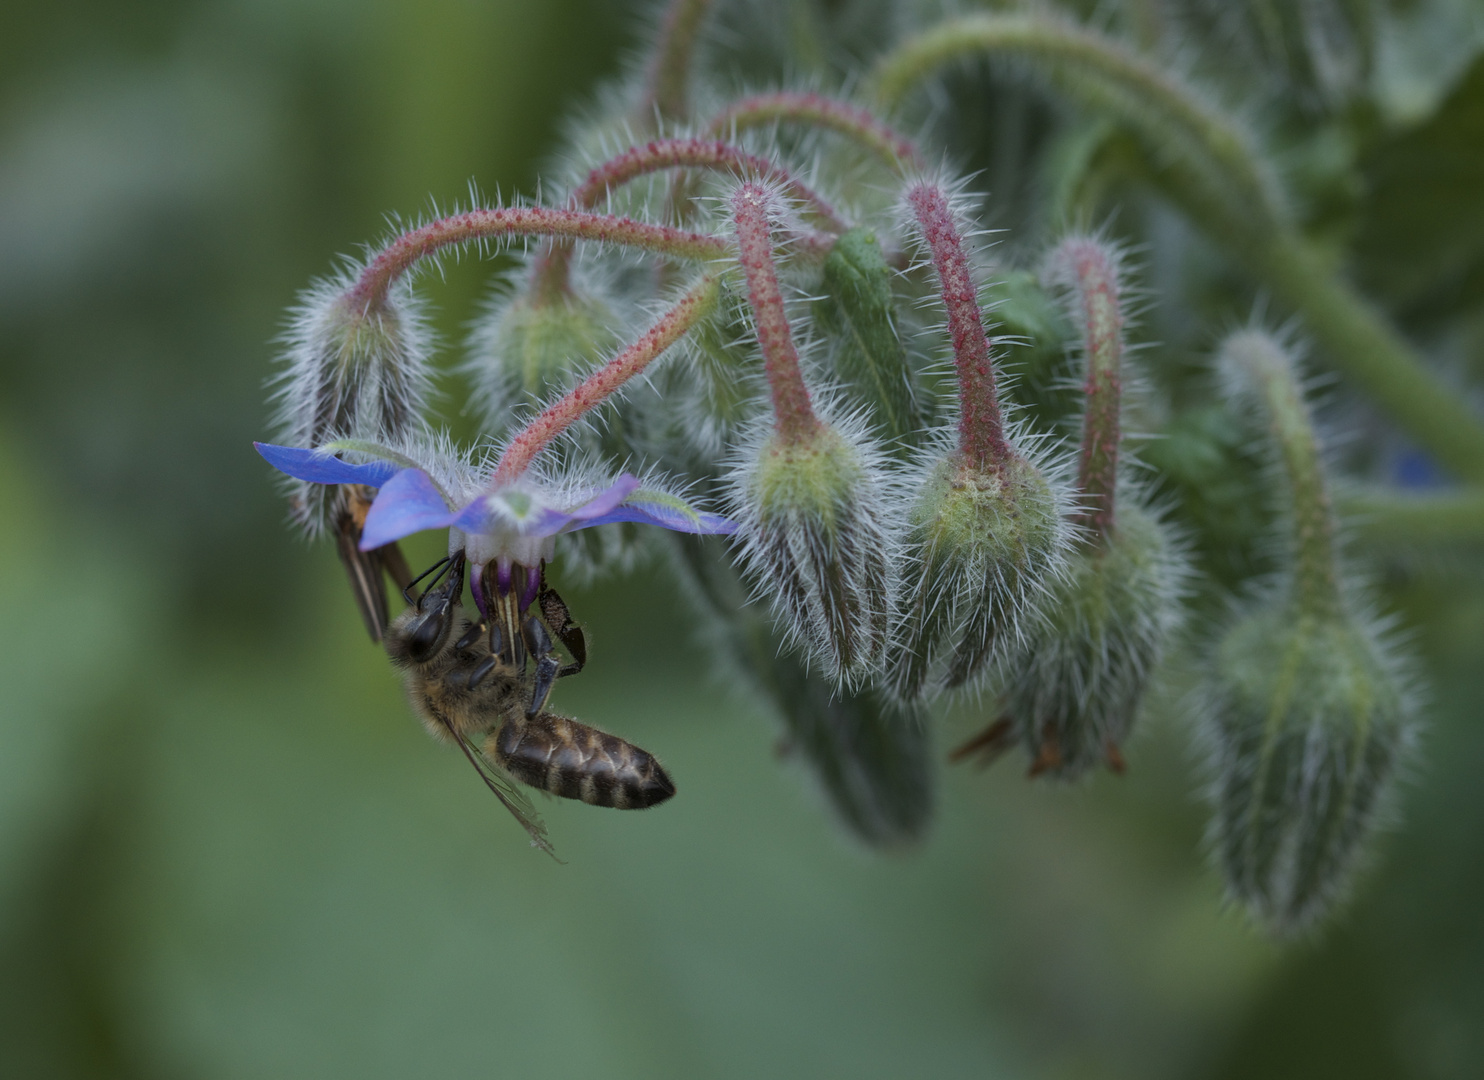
(525,350)
(983,543)
(351,372)
(1070,692)
(713,388)
(1305,703)
(815,540)
(871,758)
(857,313)
(1306,718)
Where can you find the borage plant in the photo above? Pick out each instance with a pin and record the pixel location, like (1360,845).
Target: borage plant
(826,380)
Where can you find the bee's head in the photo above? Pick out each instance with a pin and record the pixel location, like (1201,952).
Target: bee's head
(420,633)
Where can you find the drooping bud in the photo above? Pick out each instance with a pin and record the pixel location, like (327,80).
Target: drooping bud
(816,544)
(982,544)
(987,530)
(1305,701)
(857,312)
(1306,718)
(1070,692)
(353,370)
(871,758)
(527,350)
(814,529)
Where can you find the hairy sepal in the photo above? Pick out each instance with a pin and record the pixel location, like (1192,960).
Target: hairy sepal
(817,545)
(871,757)
(350,373)
(858,315)
(983,544)
(527,350)
(1072,689)
(1305,721)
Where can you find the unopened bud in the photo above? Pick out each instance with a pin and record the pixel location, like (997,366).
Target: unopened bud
(816,543)
(871,758)
(352,372)
(857,312)
(1305,720)
(1069,694)
(527,349)
(983,544)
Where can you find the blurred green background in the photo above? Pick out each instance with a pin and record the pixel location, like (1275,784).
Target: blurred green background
(227,850)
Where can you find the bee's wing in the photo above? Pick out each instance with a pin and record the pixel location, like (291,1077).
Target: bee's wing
(364,570)
(510,796)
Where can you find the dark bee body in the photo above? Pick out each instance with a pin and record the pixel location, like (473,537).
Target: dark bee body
(491,708)
(575,761)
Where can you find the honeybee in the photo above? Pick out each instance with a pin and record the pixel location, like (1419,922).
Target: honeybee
(470,684)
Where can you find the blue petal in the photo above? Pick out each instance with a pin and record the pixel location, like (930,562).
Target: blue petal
(667,512)
(407,503)
(318,467)
(607,499)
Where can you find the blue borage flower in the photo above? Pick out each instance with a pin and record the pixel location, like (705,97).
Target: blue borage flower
(511,530)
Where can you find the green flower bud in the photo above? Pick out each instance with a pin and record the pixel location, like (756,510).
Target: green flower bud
(983,545)
(1306,709)
(713,385)
(526,351)
(350,372)
(1306,718)
(857,314)
(871,758)
(814,530)
(1070,693)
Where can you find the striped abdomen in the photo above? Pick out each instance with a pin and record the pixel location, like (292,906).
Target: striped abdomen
(576,761)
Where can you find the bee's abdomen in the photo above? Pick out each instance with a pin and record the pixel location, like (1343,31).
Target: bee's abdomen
(576,761)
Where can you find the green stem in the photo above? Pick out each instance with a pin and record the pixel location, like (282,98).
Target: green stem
(1261,362)
(1211,168)
(1398,518)
(669,70)
(1365,348)
(1107,74)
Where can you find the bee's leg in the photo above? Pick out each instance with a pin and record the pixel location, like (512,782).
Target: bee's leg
(548,667)
(471,636)
(559,618)
(482,671)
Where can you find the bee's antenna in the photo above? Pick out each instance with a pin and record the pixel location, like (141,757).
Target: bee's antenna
(407,592)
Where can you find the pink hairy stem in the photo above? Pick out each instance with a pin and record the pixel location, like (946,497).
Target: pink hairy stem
(602,384)
(1094,275)
(551,271)
(981,427)
(370,290)
(793,412)
(816,110)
